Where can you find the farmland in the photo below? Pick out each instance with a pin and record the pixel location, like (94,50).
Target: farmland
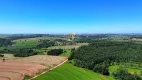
(44,60)
(30,42)
(25,43)
(70,39)
(89,59)
(69,72)
(13,69)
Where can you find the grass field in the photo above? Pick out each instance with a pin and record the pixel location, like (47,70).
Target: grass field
(29,42)
(69,72)
(130,69)
(8,56)
(25,42)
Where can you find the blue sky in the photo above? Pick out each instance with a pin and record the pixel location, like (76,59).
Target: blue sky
(65,16)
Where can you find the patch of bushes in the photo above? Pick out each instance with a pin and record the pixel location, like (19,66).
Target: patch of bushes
(55,52)
(27,77)
(46,44)
(5,42)
(101,68)
(1,55)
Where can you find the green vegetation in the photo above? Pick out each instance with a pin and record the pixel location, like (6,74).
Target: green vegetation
(101,68)
(25,43)
(69,72)
(26,77)
(99,55)
(55,52)
(1,55)
(4,42)
(45,44)
(123,74)
(24,52)
(38,42)
(134,68)
(66,53)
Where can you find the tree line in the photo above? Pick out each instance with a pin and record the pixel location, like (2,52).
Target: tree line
(55,52)
(23,52)
(5,42)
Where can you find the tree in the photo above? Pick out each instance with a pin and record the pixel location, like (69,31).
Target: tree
(101,68)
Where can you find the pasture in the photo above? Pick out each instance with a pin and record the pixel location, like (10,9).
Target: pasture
(68,46)
(25,43)
(130,69)
(69,72)
(30,42)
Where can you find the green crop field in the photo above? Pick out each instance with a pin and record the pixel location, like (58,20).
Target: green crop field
(69,72)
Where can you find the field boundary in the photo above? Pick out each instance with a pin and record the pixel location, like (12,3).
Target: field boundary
(49,70)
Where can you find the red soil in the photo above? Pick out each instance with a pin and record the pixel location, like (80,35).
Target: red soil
(16,69)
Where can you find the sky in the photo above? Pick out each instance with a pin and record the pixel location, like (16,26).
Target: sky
(65,16)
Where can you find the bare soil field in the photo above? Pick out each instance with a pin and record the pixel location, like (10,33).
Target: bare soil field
(45,60)
(16,69)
